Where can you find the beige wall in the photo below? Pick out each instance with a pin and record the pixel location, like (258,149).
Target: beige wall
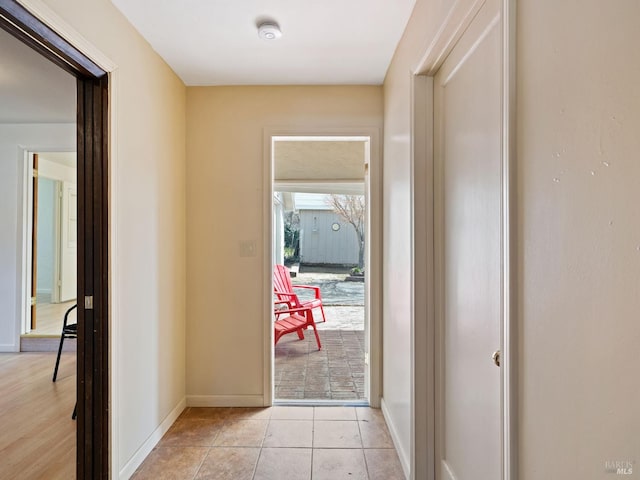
(225,179)
(578,232)
(579,236)
(148,223)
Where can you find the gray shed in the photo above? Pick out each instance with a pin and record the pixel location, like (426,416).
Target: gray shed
(325,238)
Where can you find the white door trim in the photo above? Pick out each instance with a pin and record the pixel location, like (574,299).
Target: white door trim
(55,298)
(422,250)
(374,249)
(509,240)
(423,321)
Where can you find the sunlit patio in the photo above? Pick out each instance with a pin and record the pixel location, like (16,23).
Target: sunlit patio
(335,372)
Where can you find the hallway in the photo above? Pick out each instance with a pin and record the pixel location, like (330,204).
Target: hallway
(296,443)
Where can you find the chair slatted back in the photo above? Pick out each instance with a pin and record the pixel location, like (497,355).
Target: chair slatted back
(282,283)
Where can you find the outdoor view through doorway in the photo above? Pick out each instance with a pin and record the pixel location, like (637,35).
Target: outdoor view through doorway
(320,230)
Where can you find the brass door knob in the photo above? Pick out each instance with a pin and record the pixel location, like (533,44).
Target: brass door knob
(496,358)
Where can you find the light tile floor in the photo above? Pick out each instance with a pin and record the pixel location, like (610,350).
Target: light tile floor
(292,443)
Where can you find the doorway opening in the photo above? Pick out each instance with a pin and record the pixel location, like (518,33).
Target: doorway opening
(52,228)
(321,231)
(38,115)
(89,136)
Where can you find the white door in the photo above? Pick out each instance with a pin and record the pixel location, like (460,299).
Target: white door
(467,154)
(68,243)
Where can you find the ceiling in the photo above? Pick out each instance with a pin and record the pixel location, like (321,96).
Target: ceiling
(319,160)
(215,42)
(33,89)
(319,166)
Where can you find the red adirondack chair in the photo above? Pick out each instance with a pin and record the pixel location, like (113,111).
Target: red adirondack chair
(296,320)
(284,290)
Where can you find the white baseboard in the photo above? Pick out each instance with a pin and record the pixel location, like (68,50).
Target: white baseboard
(128,470)
(43,296)
(405,457)
(446,472)
(33,343)
(225,401)
(9,348)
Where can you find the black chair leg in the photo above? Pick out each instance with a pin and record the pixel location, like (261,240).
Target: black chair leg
(75,411)
(55,370)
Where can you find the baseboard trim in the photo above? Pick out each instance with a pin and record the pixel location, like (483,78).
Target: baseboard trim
(446,472)
(9,348)
(136,460)
(43,296)
(46,343)
(404,457)
(225,401)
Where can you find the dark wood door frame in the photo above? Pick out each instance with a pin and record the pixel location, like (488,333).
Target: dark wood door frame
(92,452)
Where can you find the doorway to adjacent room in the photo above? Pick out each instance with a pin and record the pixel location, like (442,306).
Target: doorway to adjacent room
(52,228)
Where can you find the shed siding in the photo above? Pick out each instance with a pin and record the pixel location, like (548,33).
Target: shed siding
(320,244)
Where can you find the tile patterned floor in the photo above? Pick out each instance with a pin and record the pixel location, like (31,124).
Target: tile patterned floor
(335,372)
(292,443)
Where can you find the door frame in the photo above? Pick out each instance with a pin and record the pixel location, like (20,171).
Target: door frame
(36,25)
(424,375)
(374,249)
(25,273)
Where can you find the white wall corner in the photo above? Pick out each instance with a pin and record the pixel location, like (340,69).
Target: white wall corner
(136,460)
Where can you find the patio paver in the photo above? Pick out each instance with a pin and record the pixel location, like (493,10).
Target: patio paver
(334,373)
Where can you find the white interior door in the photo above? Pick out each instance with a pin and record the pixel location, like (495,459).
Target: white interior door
(68,243)
(467,154)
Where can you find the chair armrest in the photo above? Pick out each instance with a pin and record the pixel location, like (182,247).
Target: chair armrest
(286,294)
(309,287)
(293,310)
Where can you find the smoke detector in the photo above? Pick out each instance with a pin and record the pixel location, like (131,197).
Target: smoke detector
(269,31)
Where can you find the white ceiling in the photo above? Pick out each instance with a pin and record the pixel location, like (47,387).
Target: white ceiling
(215,42)
(33,89)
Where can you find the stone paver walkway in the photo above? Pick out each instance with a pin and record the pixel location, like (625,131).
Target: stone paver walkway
(341,318)
(336,372)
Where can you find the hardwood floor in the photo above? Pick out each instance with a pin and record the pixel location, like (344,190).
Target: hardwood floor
(37,434)
(49,318)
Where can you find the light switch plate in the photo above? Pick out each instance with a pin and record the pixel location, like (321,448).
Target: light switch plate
(248,248)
